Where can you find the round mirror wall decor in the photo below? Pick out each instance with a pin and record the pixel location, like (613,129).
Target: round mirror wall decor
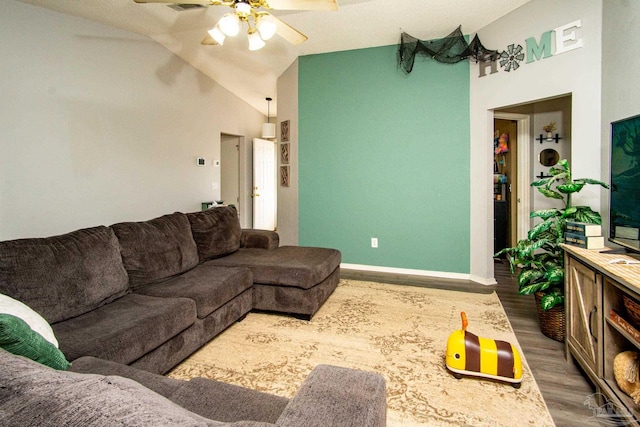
(549,157)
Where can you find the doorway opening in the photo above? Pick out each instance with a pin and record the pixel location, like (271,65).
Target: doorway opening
(230,170)
(521,155)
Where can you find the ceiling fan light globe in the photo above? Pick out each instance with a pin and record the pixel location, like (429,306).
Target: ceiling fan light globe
(243,9)
(255,42)
(229,24)
(266,27)
(217,35)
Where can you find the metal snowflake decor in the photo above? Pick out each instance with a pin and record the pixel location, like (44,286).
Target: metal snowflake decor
(510,58)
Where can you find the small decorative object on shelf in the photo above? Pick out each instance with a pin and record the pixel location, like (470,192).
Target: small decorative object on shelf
(625,370)
(633,310)
(550,136)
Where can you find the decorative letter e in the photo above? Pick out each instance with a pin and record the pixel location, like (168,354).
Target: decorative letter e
(567,42)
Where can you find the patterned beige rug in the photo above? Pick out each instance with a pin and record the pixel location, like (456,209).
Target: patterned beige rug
(398,331)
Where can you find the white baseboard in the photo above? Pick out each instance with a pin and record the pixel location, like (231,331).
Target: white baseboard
(425,273)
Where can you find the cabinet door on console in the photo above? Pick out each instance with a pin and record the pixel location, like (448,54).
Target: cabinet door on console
(583,297)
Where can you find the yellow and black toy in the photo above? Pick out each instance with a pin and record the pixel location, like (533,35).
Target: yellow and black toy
(468,354)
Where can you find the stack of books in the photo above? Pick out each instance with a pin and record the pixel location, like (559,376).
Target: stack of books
(584,235)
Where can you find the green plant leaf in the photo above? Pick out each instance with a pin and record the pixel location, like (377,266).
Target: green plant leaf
(540,182)
(550,300)
(529,277)
(573,187)
(529,289)
(592,181)
(540,228)
(545,213)
(585,214)
(569,212)
(550,193)
(564,164)
(555,275)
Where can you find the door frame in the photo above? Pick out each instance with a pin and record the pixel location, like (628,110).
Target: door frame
(523,190)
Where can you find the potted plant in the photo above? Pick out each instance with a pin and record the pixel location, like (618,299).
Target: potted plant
(539,257)
(549,130)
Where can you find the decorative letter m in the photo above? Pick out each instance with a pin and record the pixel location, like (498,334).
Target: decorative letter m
(537,51)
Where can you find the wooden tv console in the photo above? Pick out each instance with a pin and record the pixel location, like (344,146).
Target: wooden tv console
(598,325)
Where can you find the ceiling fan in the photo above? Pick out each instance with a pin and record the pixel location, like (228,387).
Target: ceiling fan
(262,25)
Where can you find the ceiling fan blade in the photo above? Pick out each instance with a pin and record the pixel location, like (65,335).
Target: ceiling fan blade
(288,33)
(302,4)
(208,41)
(204,2)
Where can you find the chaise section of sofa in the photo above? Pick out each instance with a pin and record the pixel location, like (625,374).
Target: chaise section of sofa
(287,279)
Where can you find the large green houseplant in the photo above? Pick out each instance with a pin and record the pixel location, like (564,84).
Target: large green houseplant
(539,256)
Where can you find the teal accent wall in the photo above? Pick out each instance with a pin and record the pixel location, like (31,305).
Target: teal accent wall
(385,154)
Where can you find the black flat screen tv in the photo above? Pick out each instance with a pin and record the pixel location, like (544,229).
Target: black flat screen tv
(624,199)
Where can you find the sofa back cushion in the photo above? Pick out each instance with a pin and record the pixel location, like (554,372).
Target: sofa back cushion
(155,250)
(61,277)
(216,231)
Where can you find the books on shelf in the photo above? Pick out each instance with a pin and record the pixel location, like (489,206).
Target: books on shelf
(625,326)
(582,241)
(584,228)
(584,235)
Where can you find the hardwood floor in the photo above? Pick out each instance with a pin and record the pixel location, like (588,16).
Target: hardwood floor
(563,385)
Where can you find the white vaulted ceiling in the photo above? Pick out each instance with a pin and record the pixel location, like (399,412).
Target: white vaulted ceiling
(252,76)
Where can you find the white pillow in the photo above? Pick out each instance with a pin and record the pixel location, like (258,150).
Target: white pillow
(36,322)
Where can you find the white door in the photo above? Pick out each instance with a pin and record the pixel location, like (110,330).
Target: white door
(264,184)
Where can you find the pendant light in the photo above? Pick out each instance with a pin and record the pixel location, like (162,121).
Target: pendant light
(268,129)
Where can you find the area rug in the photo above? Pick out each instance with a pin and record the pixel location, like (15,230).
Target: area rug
(398,331)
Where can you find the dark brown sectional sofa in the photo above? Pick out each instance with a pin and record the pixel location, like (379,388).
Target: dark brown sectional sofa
(150,293)
(134,299)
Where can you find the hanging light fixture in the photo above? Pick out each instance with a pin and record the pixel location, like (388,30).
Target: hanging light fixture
(229,24)
(255,42)
(268,129)
(264,25)
(217,34)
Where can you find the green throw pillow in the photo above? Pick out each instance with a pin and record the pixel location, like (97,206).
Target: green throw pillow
(18,338)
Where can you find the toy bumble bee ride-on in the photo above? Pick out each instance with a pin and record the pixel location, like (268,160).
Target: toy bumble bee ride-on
(468,354)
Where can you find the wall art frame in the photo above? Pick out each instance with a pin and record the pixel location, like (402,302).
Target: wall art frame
(284,130)
(284,176)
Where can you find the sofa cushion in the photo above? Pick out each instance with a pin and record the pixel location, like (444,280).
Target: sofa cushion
(162,385)
(18,338)
(209,286)
(233,403)
(157,249)
(126,329)
(299,266)
(216,231)
(64,276)
(33,394)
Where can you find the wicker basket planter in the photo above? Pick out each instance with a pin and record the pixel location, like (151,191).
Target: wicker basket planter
(553,321)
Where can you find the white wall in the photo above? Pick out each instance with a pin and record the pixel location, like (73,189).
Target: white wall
(620,78)
(101,125)
(288,196)
(576,72)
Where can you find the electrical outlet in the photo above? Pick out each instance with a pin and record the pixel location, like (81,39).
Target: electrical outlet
(374,242)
